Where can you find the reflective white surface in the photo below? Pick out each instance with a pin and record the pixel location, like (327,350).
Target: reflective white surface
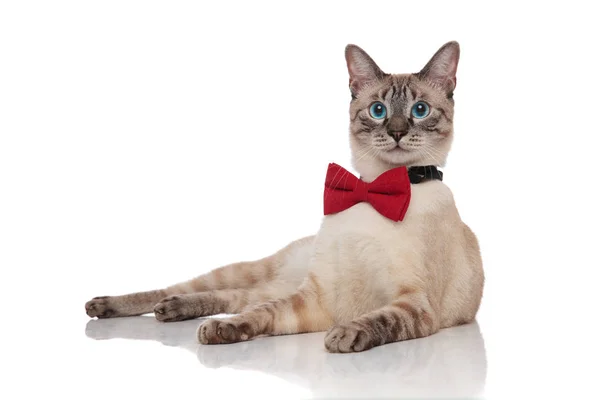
(451,363)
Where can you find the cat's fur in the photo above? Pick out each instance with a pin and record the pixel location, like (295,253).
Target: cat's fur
(366,279)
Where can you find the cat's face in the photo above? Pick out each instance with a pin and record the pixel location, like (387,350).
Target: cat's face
(401,119)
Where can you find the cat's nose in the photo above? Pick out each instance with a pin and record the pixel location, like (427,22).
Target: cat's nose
(397,135)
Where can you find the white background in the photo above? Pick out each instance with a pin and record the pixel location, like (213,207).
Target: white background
(143,143)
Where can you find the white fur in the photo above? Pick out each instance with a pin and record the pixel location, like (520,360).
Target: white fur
(366,256)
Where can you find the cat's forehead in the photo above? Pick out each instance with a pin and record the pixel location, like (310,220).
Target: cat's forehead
(400,90)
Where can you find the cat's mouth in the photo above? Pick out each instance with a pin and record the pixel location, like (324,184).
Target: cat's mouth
(398,148)
(395,149)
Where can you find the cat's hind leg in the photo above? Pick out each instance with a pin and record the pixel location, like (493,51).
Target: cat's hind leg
(227,301)
(240,275)
(123,306)
(300,312)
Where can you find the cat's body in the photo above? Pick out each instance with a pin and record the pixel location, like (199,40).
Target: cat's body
(366,278)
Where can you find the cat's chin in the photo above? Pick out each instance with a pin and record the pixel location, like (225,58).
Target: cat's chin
(397,156)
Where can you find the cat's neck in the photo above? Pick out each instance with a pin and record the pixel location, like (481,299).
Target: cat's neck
(370,167)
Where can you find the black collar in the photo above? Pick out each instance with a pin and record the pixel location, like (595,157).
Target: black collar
(424,173)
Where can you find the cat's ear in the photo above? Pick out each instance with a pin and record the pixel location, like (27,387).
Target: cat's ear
(441,69)
(361,68)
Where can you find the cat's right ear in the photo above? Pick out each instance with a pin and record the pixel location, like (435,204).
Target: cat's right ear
(361,68)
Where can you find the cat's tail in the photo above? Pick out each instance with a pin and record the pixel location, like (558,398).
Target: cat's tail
(249,274)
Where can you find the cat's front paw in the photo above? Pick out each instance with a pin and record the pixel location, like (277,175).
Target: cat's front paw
(173,308)
(214,331)
(348,338)
(100,307)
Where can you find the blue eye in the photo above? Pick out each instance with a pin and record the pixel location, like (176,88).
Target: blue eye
(420,109)
(378,110)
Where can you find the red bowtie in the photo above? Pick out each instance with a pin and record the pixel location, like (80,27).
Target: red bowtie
(389,194)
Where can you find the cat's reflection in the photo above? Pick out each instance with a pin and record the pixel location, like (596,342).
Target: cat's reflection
(451,363)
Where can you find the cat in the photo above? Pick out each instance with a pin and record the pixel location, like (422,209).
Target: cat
(363,278)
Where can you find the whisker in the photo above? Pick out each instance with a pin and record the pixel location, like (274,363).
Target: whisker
(429,150)
(441,154)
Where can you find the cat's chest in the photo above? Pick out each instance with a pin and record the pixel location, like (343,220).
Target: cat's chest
(361,256)
(363,219)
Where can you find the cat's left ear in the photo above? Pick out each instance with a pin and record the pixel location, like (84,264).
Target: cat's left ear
(441,69)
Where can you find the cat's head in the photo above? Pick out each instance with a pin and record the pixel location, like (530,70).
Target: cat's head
(401,119)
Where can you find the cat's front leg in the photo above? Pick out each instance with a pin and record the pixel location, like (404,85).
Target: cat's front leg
(408,317)
(301,312)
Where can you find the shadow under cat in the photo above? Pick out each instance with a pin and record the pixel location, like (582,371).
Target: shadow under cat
(451,363)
